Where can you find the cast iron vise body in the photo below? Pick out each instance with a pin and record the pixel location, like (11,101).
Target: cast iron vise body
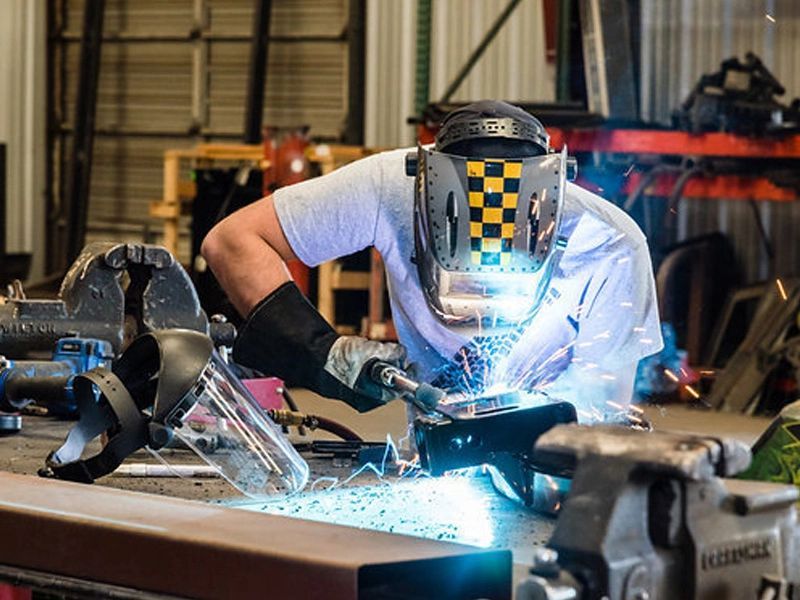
(111,292)
(652,516)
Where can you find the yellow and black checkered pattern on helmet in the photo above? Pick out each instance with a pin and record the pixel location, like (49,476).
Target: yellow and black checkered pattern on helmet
(493,186)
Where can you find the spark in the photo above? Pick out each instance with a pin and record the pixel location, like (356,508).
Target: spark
(557,507)
(583,413)
(628,171)
(770,18)
(603,336)
(781,290)
(635,419)
(635,408)
(684,373)
(408,465)
(585,344)
(626,304)
(639,329)
(613,404)
(692,391)
(463,353)
(671,375)
(623,260)
(551,482)
(646,340)
(608,377)
(707,372)
(591,366)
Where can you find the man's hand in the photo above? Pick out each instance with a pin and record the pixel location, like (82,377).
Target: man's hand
(346,360)
(286,337)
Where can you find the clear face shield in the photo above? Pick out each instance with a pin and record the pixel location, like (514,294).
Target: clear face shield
(224,425)
(173,384)
(486,233)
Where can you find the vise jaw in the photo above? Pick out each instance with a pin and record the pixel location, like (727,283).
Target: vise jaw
(652,515)
(112,292)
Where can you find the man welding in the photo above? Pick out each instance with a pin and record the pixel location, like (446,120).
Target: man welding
(501,274)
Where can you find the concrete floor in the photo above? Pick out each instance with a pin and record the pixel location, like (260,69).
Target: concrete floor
(464,509)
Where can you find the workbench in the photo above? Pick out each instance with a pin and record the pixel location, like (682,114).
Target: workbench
(463,509)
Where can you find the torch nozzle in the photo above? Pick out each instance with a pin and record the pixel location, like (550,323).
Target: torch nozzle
(423,395)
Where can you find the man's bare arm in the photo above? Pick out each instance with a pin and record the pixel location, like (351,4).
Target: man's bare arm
(247,252)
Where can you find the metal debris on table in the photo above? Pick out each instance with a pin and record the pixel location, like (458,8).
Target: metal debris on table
(460,508)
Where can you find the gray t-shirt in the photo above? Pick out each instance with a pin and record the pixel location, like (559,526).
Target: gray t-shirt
(600,310)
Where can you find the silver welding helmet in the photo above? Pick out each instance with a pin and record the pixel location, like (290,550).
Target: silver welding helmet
(173,384)
(487,219)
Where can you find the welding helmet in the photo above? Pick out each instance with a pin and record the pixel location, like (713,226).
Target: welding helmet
(488,203)
(172,384)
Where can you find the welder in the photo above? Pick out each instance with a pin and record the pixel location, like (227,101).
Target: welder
(501,273)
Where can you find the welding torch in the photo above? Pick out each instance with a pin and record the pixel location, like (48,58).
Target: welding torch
(423,395)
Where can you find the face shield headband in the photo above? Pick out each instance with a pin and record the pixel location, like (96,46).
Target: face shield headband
(173,384)
(486,233)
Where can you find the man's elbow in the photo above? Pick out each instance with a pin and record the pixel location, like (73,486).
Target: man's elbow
(218,247)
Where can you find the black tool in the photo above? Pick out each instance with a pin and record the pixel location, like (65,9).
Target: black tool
(49,382)
(423,395)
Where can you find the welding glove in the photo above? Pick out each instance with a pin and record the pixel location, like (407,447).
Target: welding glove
(286,337)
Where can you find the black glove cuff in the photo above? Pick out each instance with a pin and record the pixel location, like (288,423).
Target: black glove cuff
(284,336)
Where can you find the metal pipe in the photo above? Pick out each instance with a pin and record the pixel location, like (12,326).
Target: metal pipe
(479,50)
(257,76)
(423,79)
(80,169)
(356,88)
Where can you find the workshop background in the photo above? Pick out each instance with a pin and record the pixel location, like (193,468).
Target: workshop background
(146,121)
(174,72)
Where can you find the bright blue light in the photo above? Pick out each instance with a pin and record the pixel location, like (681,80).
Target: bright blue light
(456,509)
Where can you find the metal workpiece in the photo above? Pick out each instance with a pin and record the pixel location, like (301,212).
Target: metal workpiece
(111,292)
(197,550)
(649,516)
(503,438)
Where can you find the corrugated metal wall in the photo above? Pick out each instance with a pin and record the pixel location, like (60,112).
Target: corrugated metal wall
(513,67)
(681,40)
(22,129)
(174,73)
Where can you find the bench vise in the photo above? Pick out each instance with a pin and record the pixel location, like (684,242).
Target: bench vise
(112,292)
(653,515)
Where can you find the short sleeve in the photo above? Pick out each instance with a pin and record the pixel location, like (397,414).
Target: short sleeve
(334,215)
(617,320)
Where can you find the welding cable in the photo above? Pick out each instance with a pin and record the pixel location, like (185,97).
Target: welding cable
(333,427)
(296,419)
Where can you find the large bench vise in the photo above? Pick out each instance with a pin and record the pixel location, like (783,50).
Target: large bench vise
(653,516)
(112,292)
